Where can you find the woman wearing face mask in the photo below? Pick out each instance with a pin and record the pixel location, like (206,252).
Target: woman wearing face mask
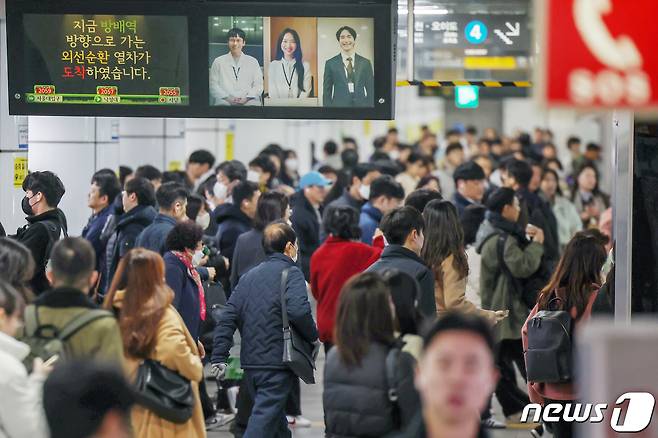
(445,254)
(290,171)
(568,220)
(20,403)
(289,76)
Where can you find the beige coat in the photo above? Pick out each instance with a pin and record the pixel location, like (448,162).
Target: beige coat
(452,294)
(176,350)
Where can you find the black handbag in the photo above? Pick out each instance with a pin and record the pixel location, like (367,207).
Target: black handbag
(298,354)
(164,392)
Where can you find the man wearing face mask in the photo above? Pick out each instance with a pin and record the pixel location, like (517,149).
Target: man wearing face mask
(45,222)
(403,230)
(261,171)
(172,201)
(357,193)
(236,218)
(289,174)
(255,307)
(385,195)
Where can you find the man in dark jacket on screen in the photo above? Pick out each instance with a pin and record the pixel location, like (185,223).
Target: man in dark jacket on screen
(307,217)
(46,223)
(138,200)
(403,230)
(255,309)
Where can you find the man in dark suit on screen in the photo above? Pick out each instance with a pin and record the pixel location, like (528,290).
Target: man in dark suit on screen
(348,77)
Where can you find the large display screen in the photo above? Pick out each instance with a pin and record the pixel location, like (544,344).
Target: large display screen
(105,59)
(269,59)
(291,61)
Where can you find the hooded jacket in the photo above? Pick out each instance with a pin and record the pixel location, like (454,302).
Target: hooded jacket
(369,221)
(129,225)
(21,410)
(231,223)
(496,289)
(306,223)
(39,235)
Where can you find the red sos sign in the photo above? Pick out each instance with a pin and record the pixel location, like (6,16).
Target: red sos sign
(599,53)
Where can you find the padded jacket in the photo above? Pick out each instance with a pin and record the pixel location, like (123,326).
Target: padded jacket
(255,309)
(356,400)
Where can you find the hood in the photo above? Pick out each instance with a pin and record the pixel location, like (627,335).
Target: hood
(231,211)
(142,214)
(56,214)
(485,231)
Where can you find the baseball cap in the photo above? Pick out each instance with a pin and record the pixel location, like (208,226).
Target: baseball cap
(313,179)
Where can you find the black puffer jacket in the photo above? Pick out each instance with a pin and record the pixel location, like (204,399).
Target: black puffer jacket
(356,403)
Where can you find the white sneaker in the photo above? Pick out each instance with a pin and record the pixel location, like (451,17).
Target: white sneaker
(301,421)
(291,420)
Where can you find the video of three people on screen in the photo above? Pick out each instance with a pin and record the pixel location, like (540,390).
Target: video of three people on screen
(294,75)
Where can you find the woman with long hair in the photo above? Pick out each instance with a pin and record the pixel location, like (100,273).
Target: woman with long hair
(568,220)
(355,398)
(289,76)
(152,329)
(445,254)
(574,287)
(589,200)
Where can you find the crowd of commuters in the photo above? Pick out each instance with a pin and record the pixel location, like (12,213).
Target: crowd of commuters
(426,262)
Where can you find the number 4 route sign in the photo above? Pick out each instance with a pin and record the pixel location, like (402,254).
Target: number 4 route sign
(476,32)
(598,54)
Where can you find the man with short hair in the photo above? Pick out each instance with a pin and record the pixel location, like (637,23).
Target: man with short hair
(236,78)
(403,229)
(386,194)
(255,309)
(358,191)
(348,76)
(454,157)
(421,197)
(45,222)
(508,259)
(454,377)
(86,399)
(307,216)
(236,218)
(104,189)
(331,155)
(138,199)
(577,158)
(72,275)
(150,173)
(416,167)
(469,179)
(199,167)
(172,202)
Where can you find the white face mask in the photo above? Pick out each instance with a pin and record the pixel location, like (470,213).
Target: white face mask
(196,259)
(253,176)
(294,259)
(394,154)
(364,191)
(220,190)
(203,220)
(292,164)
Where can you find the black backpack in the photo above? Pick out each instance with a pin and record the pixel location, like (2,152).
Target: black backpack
(549,356)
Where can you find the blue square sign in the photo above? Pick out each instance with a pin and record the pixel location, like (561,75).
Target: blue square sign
(467,96)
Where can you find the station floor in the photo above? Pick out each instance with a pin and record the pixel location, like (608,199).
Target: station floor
(312,409)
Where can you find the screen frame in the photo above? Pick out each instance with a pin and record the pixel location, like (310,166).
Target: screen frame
(382,11)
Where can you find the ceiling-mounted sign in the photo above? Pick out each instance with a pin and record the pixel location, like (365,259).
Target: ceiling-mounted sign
(599,54)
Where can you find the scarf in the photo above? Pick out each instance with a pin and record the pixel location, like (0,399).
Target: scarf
(508,227)
(186,259)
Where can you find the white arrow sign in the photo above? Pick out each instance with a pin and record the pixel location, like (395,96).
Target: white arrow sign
(503,37)
(515,30)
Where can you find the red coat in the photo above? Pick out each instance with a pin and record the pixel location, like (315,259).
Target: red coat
(332,264)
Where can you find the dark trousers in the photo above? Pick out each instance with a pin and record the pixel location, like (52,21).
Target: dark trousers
(561,429)
(245,403)
(206,401)
(327,346)
(512,398)
(269,390)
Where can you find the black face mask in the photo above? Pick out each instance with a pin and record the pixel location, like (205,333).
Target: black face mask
(25,205)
